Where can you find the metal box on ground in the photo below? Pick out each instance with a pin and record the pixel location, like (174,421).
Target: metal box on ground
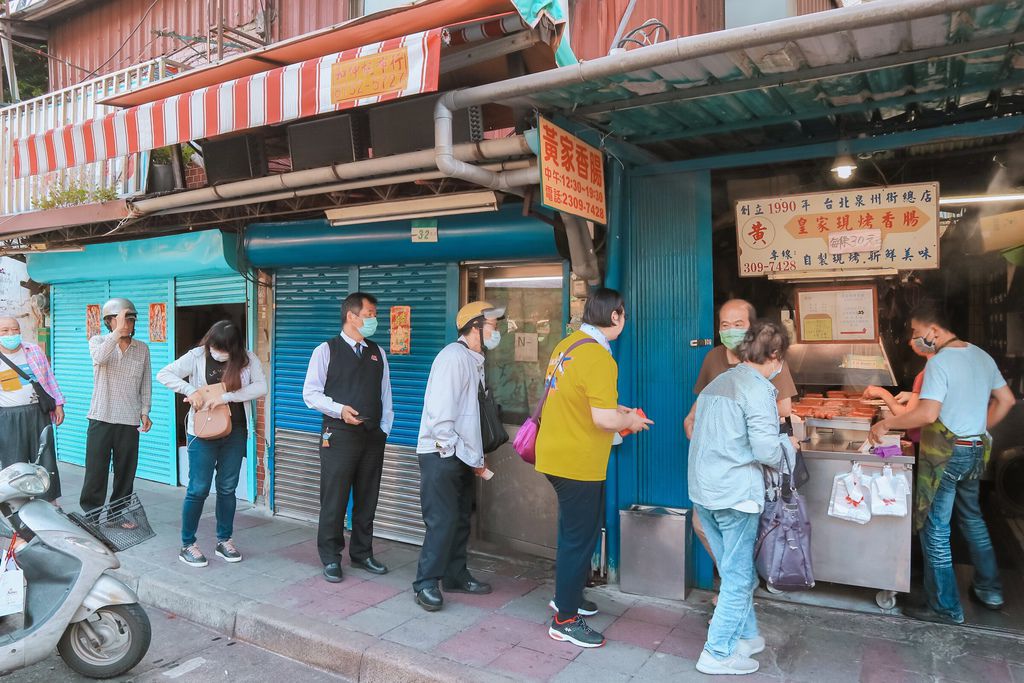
(652,551)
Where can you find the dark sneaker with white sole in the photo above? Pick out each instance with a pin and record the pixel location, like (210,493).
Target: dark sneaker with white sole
(587,608)
(227,551)
(575,631)
(193,556)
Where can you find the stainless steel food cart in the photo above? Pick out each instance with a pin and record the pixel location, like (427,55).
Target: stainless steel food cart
(873,555)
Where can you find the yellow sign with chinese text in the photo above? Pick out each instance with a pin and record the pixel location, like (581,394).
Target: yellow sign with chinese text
(370,76)
(571,174)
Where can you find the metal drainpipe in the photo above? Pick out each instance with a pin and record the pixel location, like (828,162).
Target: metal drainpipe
(447,163)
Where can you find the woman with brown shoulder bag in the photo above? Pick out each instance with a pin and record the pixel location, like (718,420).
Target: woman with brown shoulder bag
(220,380)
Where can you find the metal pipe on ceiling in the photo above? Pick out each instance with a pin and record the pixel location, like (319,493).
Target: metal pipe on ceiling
(502,148)
(692,47)
(343,187)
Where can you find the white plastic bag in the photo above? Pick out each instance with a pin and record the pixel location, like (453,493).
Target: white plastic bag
(12,587)
(848,500)
(889,494)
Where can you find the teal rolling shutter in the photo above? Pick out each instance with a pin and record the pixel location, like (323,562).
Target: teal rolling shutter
(73,367)
(307,312)
(210,289)
(72,364)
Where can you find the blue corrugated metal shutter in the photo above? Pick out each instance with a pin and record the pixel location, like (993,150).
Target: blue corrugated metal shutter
(72,364)
(307,312)
(669,294)
(157,459)
(423,288)
(209,289)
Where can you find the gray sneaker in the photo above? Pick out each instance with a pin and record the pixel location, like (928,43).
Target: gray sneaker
(227,551)
(575,631)
(193,556)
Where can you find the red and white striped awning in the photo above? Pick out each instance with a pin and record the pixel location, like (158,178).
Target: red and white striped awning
(374,73)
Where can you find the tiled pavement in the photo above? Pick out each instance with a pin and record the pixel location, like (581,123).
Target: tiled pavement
(369,627)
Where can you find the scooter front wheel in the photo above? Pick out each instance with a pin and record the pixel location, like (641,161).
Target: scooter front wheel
(109,643)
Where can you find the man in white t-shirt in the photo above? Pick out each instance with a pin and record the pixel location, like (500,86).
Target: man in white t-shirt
(963,396)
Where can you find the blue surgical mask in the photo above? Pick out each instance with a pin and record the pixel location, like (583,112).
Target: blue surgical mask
(732,337)
(369,327)
(10,341)
(776,372)
(493,341)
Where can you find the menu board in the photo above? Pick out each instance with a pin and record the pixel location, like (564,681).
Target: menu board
(827,315)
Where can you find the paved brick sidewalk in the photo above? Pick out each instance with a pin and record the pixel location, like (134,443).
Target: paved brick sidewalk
(368,628)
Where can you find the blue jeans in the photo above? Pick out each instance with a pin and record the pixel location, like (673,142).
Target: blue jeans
(731,535)
(204,457)
(958,489)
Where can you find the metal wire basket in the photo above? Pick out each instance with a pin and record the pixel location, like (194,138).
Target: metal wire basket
(119,524)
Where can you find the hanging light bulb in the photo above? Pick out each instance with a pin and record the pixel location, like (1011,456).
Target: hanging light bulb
(844,166)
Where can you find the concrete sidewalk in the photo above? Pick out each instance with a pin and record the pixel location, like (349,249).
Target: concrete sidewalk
(368,628)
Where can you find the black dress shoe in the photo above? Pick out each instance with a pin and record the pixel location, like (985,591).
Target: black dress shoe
(371,565)
(332,572)
(930,615)
(430,599)
(469,586)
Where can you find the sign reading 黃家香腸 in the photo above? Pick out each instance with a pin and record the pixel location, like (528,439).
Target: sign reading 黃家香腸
(571,174)
(872,228)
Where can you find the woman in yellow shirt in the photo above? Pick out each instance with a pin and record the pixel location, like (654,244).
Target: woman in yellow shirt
(578,422)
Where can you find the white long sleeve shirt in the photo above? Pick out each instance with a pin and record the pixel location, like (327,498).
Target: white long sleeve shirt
(451,410)
(316,377)
(188,373)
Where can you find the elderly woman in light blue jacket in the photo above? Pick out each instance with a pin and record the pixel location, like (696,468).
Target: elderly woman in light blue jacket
(736,433)
(220,357)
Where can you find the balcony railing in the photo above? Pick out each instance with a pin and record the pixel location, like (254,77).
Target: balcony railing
(123,176)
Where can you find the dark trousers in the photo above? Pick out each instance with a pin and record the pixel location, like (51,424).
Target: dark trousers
(350,465)
(580,507)
(446,496)
(102,440)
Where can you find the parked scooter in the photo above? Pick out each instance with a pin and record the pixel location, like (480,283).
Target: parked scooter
(94,620)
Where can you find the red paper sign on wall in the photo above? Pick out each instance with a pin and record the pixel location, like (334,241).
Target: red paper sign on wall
(401,330)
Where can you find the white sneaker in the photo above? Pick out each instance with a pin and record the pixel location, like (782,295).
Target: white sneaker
(736,664)
(750,646)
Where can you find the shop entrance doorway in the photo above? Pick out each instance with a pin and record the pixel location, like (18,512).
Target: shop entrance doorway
(191,324)
(517,510)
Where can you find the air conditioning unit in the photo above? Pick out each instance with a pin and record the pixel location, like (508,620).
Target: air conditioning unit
(408,126)
(329,141)
(236,158)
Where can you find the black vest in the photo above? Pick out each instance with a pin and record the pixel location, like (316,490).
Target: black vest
(355,382)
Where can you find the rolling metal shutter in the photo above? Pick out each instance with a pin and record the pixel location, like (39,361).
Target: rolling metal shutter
(72,364)
(209,289)
(307,312)
(73,368)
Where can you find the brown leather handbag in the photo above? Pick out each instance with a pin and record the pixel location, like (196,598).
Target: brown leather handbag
(212,423)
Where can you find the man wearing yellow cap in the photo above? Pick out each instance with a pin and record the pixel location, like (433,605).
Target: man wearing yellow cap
(450,452)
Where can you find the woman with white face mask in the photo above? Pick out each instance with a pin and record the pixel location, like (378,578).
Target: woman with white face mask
(220,358)
(21,419)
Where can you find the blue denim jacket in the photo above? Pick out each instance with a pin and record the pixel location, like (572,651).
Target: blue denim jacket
(736,431)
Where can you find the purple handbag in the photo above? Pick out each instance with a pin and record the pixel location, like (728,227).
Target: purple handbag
(782,553)
(525,443)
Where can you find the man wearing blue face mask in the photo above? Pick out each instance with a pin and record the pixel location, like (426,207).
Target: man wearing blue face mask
(734,319)
(349,382)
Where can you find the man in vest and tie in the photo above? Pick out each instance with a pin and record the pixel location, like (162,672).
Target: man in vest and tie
(348,381)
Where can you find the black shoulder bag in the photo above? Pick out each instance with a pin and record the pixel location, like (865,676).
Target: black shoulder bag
(492,429)
(47,404)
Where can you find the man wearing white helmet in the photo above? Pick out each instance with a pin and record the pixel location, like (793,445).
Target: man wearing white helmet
(122,386)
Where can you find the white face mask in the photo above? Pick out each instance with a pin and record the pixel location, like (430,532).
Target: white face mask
(219,356)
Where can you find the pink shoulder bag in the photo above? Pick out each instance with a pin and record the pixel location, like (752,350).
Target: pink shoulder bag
(525,443)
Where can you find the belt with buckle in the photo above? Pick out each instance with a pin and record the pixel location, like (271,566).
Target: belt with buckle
(967,442)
